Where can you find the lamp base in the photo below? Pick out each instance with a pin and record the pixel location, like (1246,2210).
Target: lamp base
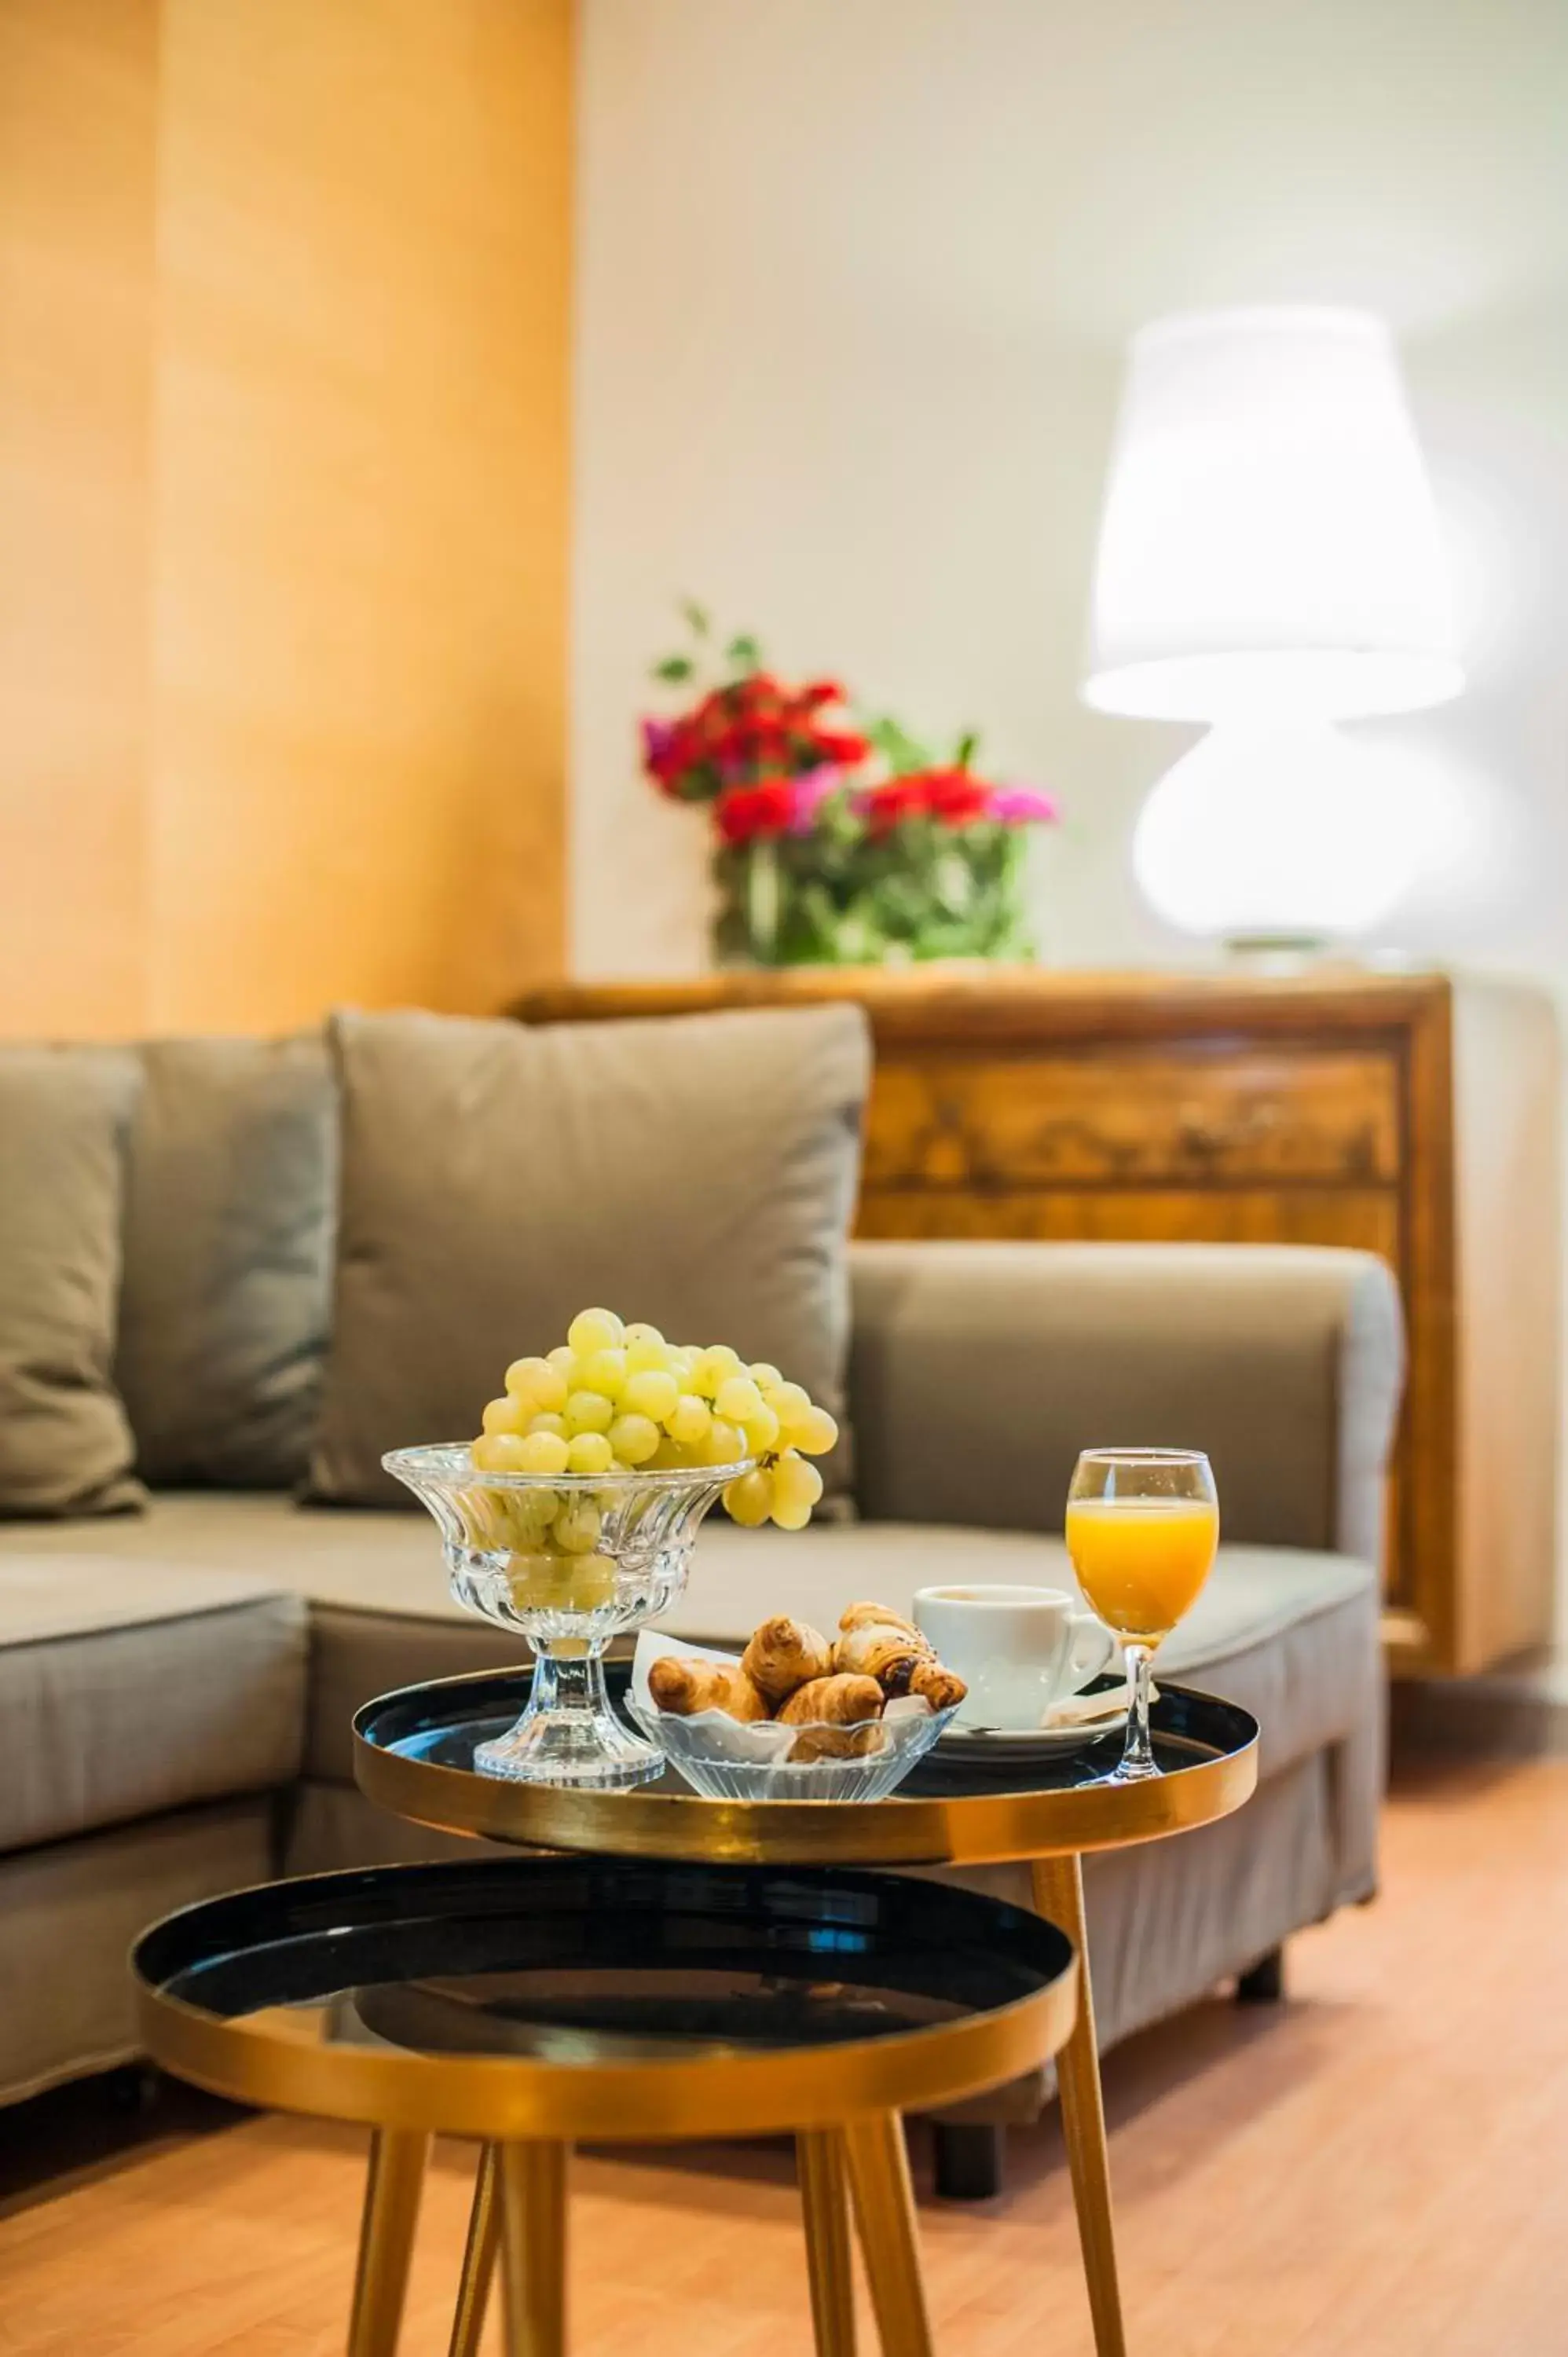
(1279,952)
(1276,838)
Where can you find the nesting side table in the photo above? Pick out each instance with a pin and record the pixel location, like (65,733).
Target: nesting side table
(414,1755)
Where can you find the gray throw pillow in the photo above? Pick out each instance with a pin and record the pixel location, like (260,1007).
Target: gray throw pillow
(65,1445)
(231,1199)
(698,1171)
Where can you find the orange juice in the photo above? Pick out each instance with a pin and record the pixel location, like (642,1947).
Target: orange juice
(1142,1561)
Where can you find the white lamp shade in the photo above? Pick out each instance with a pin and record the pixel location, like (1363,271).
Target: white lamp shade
(1270,544)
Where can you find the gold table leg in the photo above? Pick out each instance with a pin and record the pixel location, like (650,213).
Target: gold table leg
(386,2239)
(1058,1895)
(824,2204)
(478,2260)
(885,2210)
(533,2247)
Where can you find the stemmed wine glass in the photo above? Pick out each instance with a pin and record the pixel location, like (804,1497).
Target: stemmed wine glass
(1142,1528)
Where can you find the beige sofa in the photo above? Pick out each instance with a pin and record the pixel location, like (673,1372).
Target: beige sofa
(176,1686)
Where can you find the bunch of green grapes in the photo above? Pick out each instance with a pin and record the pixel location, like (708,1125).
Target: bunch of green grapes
(613,1397)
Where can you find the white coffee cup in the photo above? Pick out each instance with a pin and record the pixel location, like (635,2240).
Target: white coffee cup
(1018,1650)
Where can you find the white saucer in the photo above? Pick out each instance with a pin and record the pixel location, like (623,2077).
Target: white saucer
(1003,1744)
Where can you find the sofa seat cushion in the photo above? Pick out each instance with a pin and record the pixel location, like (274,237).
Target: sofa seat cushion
(130,1687)
(1290,1634)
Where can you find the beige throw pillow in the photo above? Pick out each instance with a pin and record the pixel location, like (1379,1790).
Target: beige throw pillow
(65,1445)
(230,1197)
(698,1171)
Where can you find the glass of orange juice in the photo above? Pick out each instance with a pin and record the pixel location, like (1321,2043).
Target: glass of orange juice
(1142,1528)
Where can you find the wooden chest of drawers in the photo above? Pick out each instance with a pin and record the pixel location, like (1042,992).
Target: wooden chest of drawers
(1408,1114)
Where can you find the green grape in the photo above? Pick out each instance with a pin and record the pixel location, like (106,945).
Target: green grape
(577,1526)
(761,1430)
(530,1512)
(688,1420)
(634,1438)
(796,1480)
(668,1457)
(537,1581)
(506,1415)
(815,1433)
(548,1420)
(589,1452)
(749,1499)
(595,1329)
(500,1452)
(764,1375)
(789,1403)
(542,1452)
(789,1517)
(603,1370)
(736,1398)
(651,1391)
(563,1357)
(725,1444)
(646,1351)
(590,1583)
(713,1367)
(588,1412)
(537,1381)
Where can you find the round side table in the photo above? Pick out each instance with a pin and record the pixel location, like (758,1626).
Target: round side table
(414,1755)
(534,2003)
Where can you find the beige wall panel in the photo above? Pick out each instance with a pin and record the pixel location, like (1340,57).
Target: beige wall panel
(78,81)
(358,593)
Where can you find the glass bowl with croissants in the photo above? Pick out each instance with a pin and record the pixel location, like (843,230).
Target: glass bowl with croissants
(797,1715)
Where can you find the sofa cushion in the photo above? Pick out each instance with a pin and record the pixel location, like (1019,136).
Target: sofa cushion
(129,1688)
(1291,1635)
(698,1172)
(68,2006)
(231,1199)
(65,1445)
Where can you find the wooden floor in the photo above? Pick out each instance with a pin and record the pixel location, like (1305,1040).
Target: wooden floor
(1377,2169)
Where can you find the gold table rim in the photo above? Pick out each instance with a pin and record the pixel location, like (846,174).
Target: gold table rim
(726,2093)
(973,1829)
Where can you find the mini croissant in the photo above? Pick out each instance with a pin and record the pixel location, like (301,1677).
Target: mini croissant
(887,1650)
(942,1688)
(685,1687)
(833,1702)
(863,1616)
(858,1742)
(783,1654)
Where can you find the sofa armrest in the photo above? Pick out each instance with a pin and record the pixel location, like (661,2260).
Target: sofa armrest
(978,1371)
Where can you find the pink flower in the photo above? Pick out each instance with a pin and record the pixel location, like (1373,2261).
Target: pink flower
(808,792)
(1023,806)
(658,735)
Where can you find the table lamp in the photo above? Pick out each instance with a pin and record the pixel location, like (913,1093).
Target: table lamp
(1269,562)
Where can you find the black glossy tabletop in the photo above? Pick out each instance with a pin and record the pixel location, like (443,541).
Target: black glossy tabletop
(444,1723)
(594,1961)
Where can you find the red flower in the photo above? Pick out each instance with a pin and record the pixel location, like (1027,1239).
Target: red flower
(951,796)
(843,746)
(745,811)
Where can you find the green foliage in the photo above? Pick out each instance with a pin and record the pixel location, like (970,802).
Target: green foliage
(675,670)
(697,617)
(742,655)
(903,754)
(841,896)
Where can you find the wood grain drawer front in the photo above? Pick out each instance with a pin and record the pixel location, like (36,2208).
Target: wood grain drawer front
(1134,1118)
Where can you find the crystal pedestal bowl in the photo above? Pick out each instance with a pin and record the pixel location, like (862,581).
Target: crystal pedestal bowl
(569,1561)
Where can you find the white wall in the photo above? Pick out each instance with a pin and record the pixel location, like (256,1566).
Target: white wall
(854,280)
(855,277)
